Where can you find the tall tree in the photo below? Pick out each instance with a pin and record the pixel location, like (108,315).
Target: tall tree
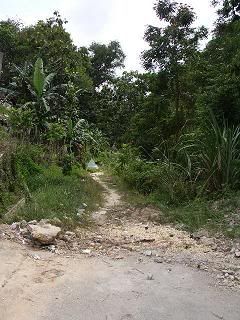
(172,46)
(220,66)
(117,102)
(105,59)
(9,41)
(229,9)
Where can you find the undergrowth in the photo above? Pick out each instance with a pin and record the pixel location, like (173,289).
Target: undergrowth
(49,192)
(54,195)
(144,183)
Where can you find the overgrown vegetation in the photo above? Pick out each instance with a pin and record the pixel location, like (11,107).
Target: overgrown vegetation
(171,133)
(59,197)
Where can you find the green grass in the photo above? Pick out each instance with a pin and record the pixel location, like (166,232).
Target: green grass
(57,196)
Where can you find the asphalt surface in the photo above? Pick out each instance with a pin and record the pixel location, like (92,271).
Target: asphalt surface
(44,286)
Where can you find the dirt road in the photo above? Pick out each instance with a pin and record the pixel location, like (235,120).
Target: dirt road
(115,282)
(60,288)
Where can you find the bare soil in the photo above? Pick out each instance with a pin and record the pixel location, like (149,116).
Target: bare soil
(124,266)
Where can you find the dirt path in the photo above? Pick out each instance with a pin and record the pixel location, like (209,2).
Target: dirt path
(132,269)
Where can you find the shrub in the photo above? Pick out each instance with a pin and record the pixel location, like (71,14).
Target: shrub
(163,178)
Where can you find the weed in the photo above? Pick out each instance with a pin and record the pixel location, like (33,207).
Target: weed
(55,195)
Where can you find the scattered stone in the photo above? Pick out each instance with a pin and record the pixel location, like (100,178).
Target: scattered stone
(148,253)
(56,222)
(195,236)
(237,254)
(198,235)
(158,260)
(70,234)
(207,241)
(44,234)
(86,251)
(25,232)
(64,237)
(80,212)
(229,272)
(150,276)
(23,224)
(52,248)
(36,257)
(119,258)
(15,226)
(33,222)
(144,240)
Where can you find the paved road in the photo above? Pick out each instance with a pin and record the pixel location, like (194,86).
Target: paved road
(80,288)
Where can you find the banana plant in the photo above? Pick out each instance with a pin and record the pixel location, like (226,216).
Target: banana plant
(41,86)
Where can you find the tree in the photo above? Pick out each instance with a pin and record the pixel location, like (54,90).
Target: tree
(117,102)
(230,9)
(172,46)
(220,70)
(105,59)
(9,32)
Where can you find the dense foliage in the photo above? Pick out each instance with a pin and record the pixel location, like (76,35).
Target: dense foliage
(173,130)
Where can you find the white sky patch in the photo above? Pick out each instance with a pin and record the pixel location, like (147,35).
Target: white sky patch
(103,20)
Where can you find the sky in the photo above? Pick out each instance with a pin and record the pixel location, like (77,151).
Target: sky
(103,20)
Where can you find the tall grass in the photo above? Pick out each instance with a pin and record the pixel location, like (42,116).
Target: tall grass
(208,161)
(214,157)
(220,156)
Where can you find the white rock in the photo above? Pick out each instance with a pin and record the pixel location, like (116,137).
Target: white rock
(87,251)
(32,222)
(148,253)
(15,226)
(52,248)
(36,257)
(23,224)
(44,233)
(237,253)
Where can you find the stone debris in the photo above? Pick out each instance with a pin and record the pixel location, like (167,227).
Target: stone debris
(158,260)
(86,251)
(237,254)
(120,229)
(148,253)
(43,234)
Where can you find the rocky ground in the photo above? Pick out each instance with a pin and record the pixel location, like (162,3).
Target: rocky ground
(120,230)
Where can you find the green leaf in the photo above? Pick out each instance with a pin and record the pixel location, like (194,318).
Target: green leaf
(48,80)
(39,77)
(46,105)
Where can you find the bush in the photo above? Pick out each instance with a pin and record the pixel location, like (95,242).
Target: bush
(163,178)
(201,164)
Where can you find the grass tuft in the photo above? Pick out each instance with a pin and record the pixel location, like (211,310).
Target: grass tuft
(55,195)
